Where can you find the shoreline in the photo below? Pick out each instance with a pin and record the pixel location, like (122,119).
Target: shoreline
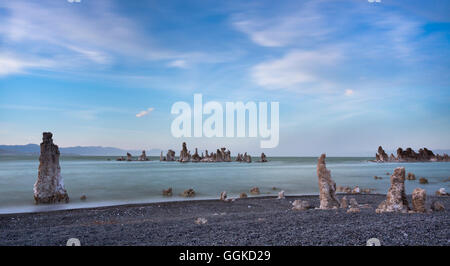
(260,220)
(61,206)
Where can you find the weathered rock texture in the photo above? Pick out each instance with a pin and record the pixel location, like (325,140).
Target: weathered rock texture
(327,187)
(419,197)
(396,197)
(409,155)
(49,187)
(281,195)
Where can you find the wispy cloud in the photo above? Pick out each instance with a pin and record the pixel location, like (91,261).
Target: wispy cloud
(178,63)
(145,112)
(297,70)
(74,37)
(10,64)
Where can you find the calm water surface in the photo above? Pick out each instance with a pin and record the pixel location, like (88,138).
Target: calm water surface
(110,182)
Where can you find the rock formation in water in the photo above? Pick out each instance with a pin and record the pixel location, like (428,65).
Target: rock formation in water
(419,197)
(254,191)
(247,158)
(381,156)
(185,155)
(121,159)
(169,157)
(167,192)
(195,157)
(129,157)
(281,195)
(411,176)
(423,180)
(49,187)
(396,197)
(189,193)
(327,187)
(263,158)
(409,155)
(143,157)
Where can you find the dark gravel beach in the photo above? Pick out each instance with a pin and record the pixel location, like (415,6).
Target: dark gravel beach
(251,221)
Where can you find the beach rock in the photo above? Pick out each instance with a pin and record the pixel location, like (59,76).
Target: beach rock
(243,195)
(396,198)
(223,196)
(83,197)
(442,192)
(121,159)
(167,192)
(411,176)
(353,210)
(381,155)
(300,205)
(49,187)
(356,190)
(327,187)
(436,206)
(377,177)
(366,190)
(161,157)
(344,203)
(263,158)
(254,191)
(354,206)
(418,200)
(143,157)
(189,193)
(281,195)
(353,203)
(200,221)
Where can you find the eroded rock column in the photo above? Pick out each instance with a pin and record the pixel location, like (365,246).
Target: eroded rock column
(327,187)
(49,187)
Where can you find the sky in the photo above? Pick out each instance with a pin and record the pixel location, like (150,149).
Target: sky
(349,75)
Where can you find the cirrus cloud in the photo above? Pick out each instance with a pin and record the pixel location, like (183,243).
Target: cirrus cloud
(145,112)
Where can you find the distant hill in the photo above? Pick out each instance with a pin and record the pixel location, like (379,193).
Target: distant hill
(34,149)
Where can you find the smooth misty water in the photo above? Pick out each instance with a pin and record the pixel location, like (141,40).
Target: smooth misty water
(111,182)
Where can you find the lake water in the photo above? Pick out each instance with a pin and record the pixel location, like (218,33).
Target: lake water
(111,182)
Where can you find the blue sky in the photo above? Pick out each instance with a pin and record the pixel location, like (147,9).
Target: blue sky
(349,75)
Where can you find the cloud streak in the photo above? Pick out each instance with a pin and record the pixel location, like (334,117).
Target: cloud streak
(145,112)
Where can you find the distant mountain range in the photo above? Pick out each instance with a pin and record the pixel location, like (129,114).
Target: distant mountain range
(34,149)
